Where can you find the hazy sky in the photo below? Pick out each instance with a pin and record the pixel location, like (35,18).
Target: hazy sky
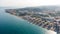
(25,3)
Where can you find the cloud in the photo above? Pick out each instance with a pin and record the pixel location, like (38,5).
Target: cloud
(25,3)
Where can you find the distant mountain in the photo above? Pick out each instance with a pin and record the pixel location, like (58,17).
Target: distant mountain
(40,9)
(30,9)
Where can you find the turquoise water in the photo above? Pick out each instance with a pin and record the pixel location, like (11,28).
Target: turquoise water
(10,24)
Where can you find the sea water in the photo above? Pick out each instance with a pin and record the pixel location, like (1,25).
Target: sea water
(10,24)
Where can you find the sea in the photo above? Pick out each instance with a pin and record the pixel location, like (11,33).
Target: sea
(10,24)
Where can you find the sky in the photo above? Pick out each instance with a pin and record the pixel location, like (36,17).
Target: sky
(28,3)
